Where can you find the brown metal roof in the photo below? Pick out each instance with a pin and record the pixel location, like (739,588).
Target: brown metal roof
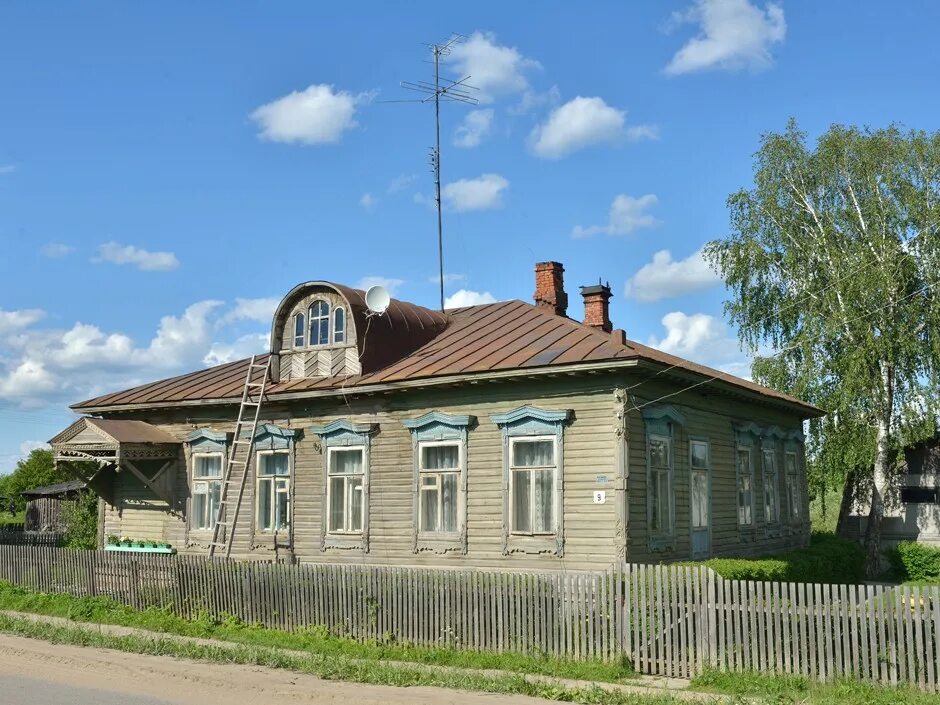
(504,336)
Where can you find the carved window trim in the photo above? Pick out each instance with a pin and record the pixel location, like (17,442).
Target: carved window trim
(346,434)
(531,421)
(661,422)
(272,438)
(435,427)
(201,442)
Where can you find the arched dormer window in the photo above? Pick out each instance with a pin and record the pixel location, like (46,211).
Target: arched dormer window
(300,330)
(339,325)
(319,322)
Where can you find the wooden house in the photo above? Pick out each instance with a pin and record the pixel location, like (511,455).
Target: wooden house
(504,434)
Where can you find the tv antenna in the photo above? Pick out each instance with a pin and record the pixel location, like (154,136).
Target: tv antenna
(457,91)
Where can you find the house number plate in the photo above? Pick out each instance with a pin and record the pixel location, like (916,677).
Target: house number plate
(600,496)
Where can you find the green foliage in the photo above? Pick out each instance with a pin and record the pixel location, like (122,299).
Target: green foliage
(12,522)
(916,561)
(833,262)
(81,521)
(828,559)
(35,470)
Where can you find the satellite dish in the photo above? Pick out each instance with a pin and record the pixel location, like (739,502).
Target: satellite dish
(377,299)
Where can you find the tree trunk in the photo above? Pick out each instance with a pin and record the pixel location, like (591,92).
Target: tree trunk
(880,477)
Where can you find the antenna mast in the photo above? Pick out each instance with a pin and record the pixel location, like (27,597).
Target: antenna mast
(457,91)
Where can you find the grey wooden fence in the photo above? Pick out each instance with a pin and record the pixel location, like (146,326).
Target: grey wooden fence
(666,620)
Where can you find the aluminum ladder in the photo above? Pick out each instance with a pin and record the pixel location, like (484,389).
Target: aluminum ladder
(238,458)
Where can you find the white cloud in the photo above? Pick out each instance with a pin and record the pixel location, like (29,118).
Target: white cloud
(115,253)
(242,347)
(401,182)
(481,193)
(733,35)
(665,278)
(701,338)
(56,249)
(16,320)
(388,282)
(531,100)
(627,214)
(319,114)
(583,122)
(448,278)
(368,201)
(464,297)
(493,68)
(7,168)
(475,128)
(260,310)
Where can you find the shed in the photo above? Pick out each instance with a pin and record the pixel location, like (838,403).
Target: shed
(44,505)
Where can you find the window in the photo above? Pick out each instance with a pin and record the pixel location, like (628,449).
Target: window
(439,474)
(299,330)
(913,494)
(319,323)
(339,325)
(532,481)
(346,472)
(660,489)
(207,489)
(273,495)
(793,486)
(699,462)
(745,487)
(771,501)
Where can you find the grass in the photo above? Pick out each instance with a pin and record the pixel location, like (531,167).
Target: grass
(8,520)
(330,667)
(783,690)
(315,640)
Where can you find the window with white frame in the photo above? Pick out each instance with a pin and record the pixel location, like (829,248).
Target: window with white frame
(273,490)
(699,462)
(300,328)
(793,485)
(745,486)
(532,468)
(207,489)
(344,491)
(438,486)
(769,474)
(319,313)
(660,488)
(339,325)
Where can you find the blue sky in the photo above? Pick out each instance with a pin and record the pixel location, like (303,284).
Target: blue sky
(169,170)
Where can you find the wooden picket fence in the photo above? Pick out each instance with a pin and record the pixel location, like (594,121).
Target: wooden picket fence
(18,537)
(666,620)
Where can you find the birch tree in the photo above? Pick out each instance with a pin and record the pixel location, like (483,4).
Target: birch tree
(833,263)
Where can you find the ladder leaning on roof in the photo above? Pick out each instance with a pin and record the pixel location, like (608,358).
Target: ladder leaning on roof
(238,458)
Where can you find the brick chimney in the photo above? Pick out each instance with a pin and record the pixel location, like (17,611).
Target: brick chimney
(550,288)
(597,306)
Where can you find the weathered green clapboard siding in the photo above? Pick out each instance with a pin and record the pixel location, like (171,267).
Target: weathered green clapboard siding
(594,534)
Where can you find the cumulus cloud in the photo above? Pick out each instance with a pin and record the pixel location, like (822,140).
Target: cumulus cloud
(242,347)
(627,214)
(665,278)
(368,201)
(115,253)
(493,68)
(583,122)
(389,283)
(733,35)
(16,320)
(532,100)
(481,193)
(260,310)
(319,114)
(699,337)
(475,128)
(56,249)
(465,297)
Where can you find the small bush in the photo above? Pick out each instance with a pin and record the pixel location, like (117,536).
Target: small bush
(828,559)
(916,561)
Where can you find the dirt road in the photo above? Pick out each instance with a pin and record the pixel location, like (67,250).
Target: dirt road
(39,673)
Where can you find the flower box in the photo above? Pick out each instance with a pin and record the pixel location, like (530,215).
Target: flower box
(140,549)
